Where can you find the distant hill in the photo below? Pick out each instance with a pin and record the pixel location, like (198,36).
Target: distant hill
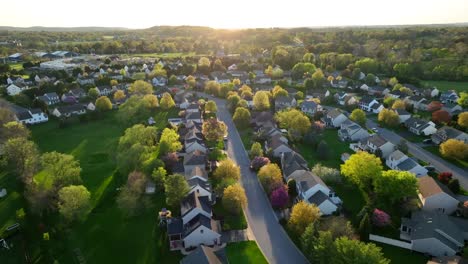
(64,29)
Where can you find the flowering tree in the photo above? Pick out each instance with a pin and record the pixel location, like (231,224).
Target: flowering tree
(279,197)
(259,162)
(380,218)
(445,177)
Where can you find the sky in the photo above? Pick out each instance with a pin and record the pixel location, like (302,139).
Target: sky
(230,14)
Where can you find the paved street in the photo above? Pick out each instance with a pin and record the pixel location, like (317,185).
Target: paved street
(269,234)
(440,164)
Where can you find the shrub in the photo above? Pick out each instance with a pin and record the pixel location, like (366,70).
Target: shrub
(380,218)
(445,177)
(454,185)
(279,197)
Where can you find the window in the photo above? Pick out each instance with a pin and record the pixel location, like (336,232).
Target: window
(201,231)
(404,229)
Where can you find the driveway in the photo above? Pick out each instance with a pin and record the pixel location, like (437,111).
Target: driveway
(269,234)
(440,164)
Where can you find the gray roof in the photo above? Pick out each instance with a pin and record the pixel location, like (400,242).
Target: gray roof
(309,180)
(193,200)
(401,112)
(367,99)
(377,140)
(197,221)
(396,155)
(71,108)
(197,181)
(284,99)
(195,158)
(205,255)
(318,198)
(407,164)
(175,226)
(334,113)
(292,161)
(309,104)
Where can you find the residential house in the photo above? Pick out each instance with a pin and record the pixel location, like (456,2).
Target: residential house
(403,115)
(206,255)
(201,187)
(194,159)
(262,79)
(78,93)
(259,119)
(29,116)
(192,108)
(334,118)
(376,142)
(446,132)
(418,102)
(311,107)
(378,90)
(194,117)
(292,162)
(277,146)
(397,94)
(194,145)
(434,233)
(14,89)
(197,173)
(414,89)
(283,102)
(85,80)
(369,104)
(351,131)
(220,77)
(340,97)
(104,90)
(399,161)
(450,96)
(435,196)
(420,127)
(312,189)
(49,98)
(69,110)
(452,109)
(159,81)
(364,87)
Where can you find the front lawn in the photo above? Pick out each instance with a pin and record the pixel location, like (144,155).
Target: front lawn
(246,135)
(446,85)
(229,221)
(335,147)
(245,252)
(435,150)
(401,255)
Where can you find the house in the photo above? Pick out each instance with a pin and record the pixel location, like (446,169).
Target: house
(85,80)
(446,132)
(194,159)
(403,115)
(69,110)
(262,79)
(340,97)
(192,108)
(197,172)
(376,142)
(417,102)
(399,161)
(292,162)
(29,116)
(78,93)
(194,117)
(434,233)
(351,131)
(420,126)
(378,91)
(159,81)
(312,189)
(259,119)
(452,109)
(104,90)
(311,107)
(367,104)
(205,255)
(450,96)
(435,196)
(194,145)
(220,77)
(201,187)
(14,89)
(414,89)
(283,102)
(277,146)
(334,118)
(397,94)
(49,98)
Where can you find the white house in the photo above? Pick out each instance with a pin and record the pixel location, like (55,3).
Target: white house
(369,104)
(30,117)
(49,98)
(374,142)
(399,161)
(436,197)
(202,231)
(311,107)
(104,91)
(201,187)
(351,131)
(14,89)
(334,118)
(403,115)
(69,110)
(420,127)
(282,102)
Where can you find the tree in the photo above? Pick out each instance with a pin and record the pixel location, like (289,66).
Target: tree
(259,162)
(317,245)
(441,116)
(134,110)
(256,150)
(166,101)
(403,146)
(337,226)
(434,106)
(454,186)
(119,95)
(322,150)
(302,215)
(241,117)
(393,81)
(270,177)
(358,116)
(214,130)
(222,185)
(6,115)
(234,199)
(131,196)
(395,185)
(141,87)
(463,120)
(169,141)
(328,175)
(227,169)
(211,107)
(362,169)
(370,79)
(212,87)
(399,104)
(300,70)
(389,117)
(13,129)
(444,177)
(261,101)
(279,197)
(388,101)
(203,65)
(454,149)
(463,100)
(63,169)
(278,91)
(191,81)
(151,101)
(23,155)
(93,93)
(74,202)
(367,65)
(158,71)
(293,120)
(233,101)
(159,177)
(354,251)
(103,104)
(176,189)
(318,78)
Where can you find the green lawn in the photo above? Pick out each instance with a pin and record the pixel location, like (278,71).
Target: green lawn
(16,66)
(246,135)
(446,85)
(107,235)
(335,147)
(12,202)
(230,221)
(435,150)
(401,255)
(244,252)
(352,198)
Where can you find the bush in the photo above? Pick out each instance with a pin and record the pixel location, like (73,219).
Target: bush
(380,218)
(279,197)
(328,175)
(454,185)
(445,177)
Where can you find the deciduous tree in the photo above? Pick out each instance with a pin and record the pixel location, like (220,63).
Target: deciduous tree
(151,101)
(463,100)
(261,101)
(234,199)
(358,116)
(131,197)
(166,101)
(454,149)
(256,150)
(214,130)
(355,251)
(74,202)
(211,107)
(176,189)
(141,87)
(169,141)
(13,129)
(302,215)
(441,116)
(23,155)
(159,177)
(227,169)
(463,120)
(103,104)
(241,117)
(362,169)
(399,104)
(63,169)
(93,93)
(388,118)
(394,185)
(293,120)
(279,197)
(270,177)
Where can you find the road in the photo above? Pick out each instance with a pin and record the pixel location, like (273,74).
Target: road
(269,234)
(424,155)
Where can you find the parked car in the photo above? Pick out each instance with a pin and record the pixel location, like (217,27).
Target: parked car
(430,168)
(427,141)
(376,130)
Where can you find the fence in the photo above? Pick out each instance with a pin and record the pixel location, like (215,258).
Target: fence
(389,241)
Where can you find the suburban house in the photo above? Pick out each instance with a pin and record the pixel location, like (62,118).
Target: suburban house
(312,189)
(399,161)
(292,162)
(30,117)
(434,233)
(351,131)
(378,90)
(69,110)
(283,102)
(311,107)
(452,109)
(197,173)
(414,89)
(49,98)
(418,102)
(420,127)
(194,159)
(206,255)
(14,89)
(193,145)
(397,94)
(104,91)
(449,97)
(334,118)
(446,132)
(194,117)
(262,79)
(220,77)
(341,98)
(435,196)
(201,187)
(193,107)
(369,104)
(85,80)
(159,81)
(277,146)
(375,142)
(262,118)
(403,115)
(78,93)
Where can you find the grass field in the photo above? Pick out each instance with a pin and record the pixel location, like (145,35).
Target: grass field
(446,85)
(230,222)
(401,255)
(245,252)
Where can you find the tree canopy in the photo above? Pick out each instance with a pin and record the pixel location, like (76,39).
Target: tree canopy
(362,169)
(74,202)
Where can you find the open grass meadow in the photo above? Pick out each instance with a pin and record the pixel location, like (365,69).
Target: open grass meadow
(446,85)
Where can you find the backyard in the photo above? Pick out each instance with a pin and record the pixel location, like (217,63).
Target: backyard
(229,221)
(446,85)
(245,252)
